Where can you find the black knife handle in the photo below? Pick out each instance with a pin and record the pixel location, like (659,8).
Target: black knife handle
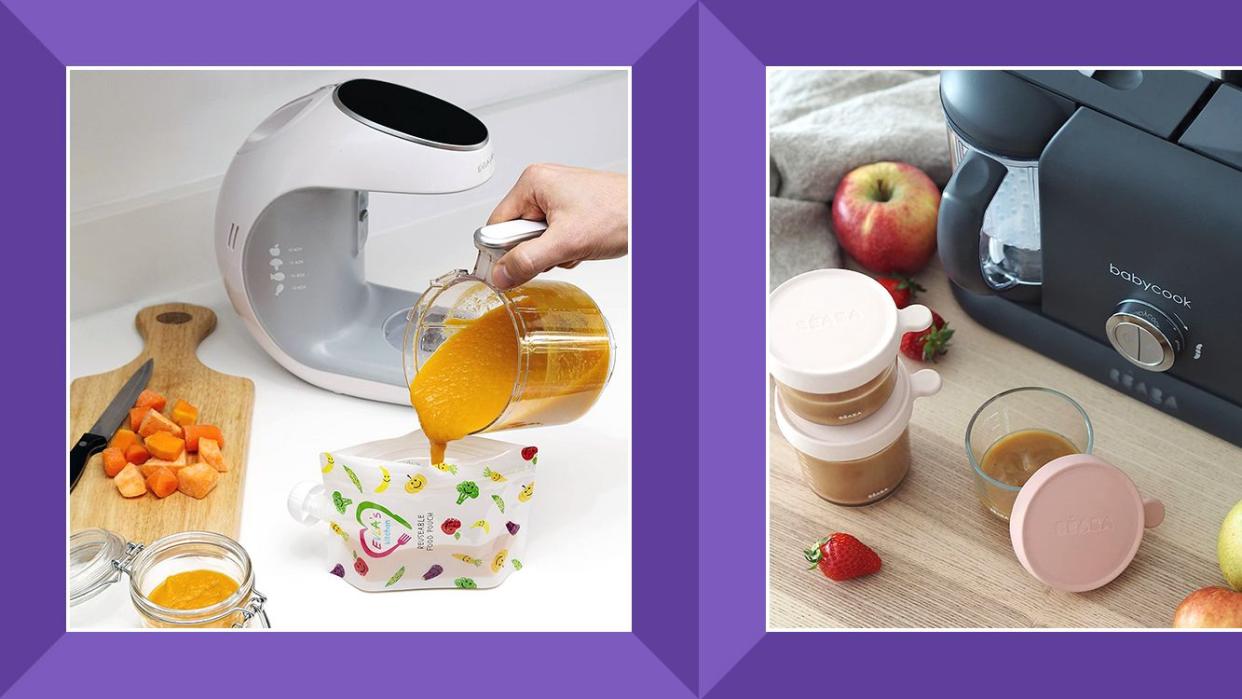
(82,452)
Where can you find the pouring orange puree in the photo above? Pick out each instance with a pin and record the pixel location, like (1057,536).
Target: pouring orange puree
(467,383)
(193,589)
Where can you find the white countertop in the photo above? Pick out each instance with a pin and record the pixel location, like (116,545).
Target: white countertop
(577,573)
(578,561)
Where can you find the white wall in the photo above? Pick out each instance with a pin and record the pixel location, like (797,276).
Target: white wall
(148,149)
(134,133)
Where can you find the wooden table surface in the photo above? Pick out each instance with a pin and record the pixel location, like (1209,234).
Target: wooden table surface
(947,561)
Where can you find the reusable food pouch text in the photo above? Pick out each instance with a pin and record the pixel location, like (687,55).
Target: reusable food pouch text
(397,522)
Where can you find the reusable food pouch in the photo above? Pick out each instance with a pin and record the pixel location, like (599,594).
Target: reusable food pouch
(398,523)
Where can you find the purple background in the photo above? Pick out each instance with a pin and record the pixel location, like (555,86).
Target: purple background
(698,233)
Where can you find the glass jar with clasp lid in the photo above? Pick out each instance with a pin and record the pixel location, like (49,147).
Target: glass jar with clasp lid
(98,558)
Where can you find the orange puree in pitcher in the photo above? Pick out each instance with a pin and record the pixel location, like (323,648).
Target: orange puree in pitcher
(193,589)
(470,380)
(467,381)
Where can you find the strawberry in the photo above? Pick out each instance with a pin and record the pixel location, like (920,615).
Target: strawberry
(927,345)
(450,525)
(902,289)
(528,453)
(840,556)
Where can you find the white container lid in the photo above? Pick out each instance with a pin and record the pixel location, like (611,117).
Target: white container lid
(868,436)
(833,330)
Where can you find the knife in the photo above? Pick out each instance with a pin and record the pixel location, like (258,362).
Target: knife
(99,434)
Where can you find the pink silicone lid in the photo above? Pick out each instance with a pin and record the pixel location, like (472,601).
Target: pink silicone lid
(1078,521)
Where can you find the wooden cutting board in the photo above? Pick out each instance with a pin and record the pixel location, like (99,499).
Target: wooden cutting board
(172,333)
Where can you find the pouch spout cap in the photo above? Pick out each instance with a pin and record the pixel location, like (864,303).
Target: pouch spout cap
(306,501)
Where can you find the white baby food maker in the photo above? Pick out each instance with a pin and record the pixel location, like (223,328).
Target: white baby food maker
(291,225)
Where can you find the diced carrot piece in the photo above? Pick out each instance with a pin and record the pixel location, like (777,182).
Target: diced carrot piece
(130,482)
(163,482)
(153,422)
(183,413)
(113,461)
(137,454)
(135,417)
(197,480)
(153,465)
(150,399)
(195,432)
(123,438)
(209,450)
(164,445)
(173,463)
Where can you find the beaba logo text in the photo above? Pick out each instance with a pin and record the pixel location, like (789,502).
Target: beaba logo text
(1148,286)
(831,319)
(1123,380)
(1081,527)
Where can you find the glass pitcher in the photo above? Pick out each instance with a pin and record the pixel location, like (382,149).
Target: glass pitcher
(562,347)
(996,201)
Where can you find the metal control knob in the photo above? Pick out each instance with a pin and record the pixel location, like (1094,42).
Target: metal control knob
(1145,335)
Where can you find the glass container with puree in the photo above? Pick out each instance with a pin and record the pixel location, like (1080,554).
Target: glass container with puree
(1014,434)
(863,462)
(1075,520)
(191,579)
(480,359)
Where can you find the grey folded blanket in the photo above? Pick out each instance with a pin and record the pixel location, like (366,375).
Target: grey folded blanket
(824,123)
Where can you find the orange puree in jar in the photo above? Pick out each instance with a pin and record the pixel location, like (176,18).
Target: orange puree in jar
(193,589)
(547,367)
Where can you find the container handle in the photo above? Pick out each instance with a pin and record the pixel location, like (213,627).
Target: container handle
(914,318)
(924,382)
(962,205)
(1153,513)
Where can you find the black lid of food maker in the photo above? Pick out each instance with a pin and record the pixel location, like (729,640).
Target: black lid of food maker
(1156,101)
(410,114)
(1217,130)
(1000,113)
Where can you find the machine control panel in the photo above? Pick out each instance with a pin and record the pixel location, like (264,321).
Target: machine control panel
(1146,336)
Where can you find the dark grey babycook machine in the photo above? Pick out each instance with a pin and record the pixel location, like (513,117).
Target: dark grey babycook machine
(1096,217)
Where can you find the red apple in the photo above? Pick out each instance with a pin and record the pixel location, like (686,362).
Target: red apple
(1210,608)
(885,217)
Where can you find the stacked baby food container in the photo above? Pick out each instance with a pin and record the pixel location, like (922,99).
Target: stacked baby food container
(843,398)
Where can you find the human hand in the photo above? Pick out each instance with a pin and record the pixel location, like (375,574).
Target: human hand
(587,212)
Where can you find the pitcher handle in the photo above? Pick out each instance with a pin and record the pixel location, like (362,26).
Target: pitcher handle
(962,205)
(495,240)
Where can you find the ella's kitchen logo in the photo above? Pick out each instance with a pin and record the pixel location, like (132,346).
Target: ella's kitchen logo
(1082,527)
(829,319)
(383,530)
(1148,286)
